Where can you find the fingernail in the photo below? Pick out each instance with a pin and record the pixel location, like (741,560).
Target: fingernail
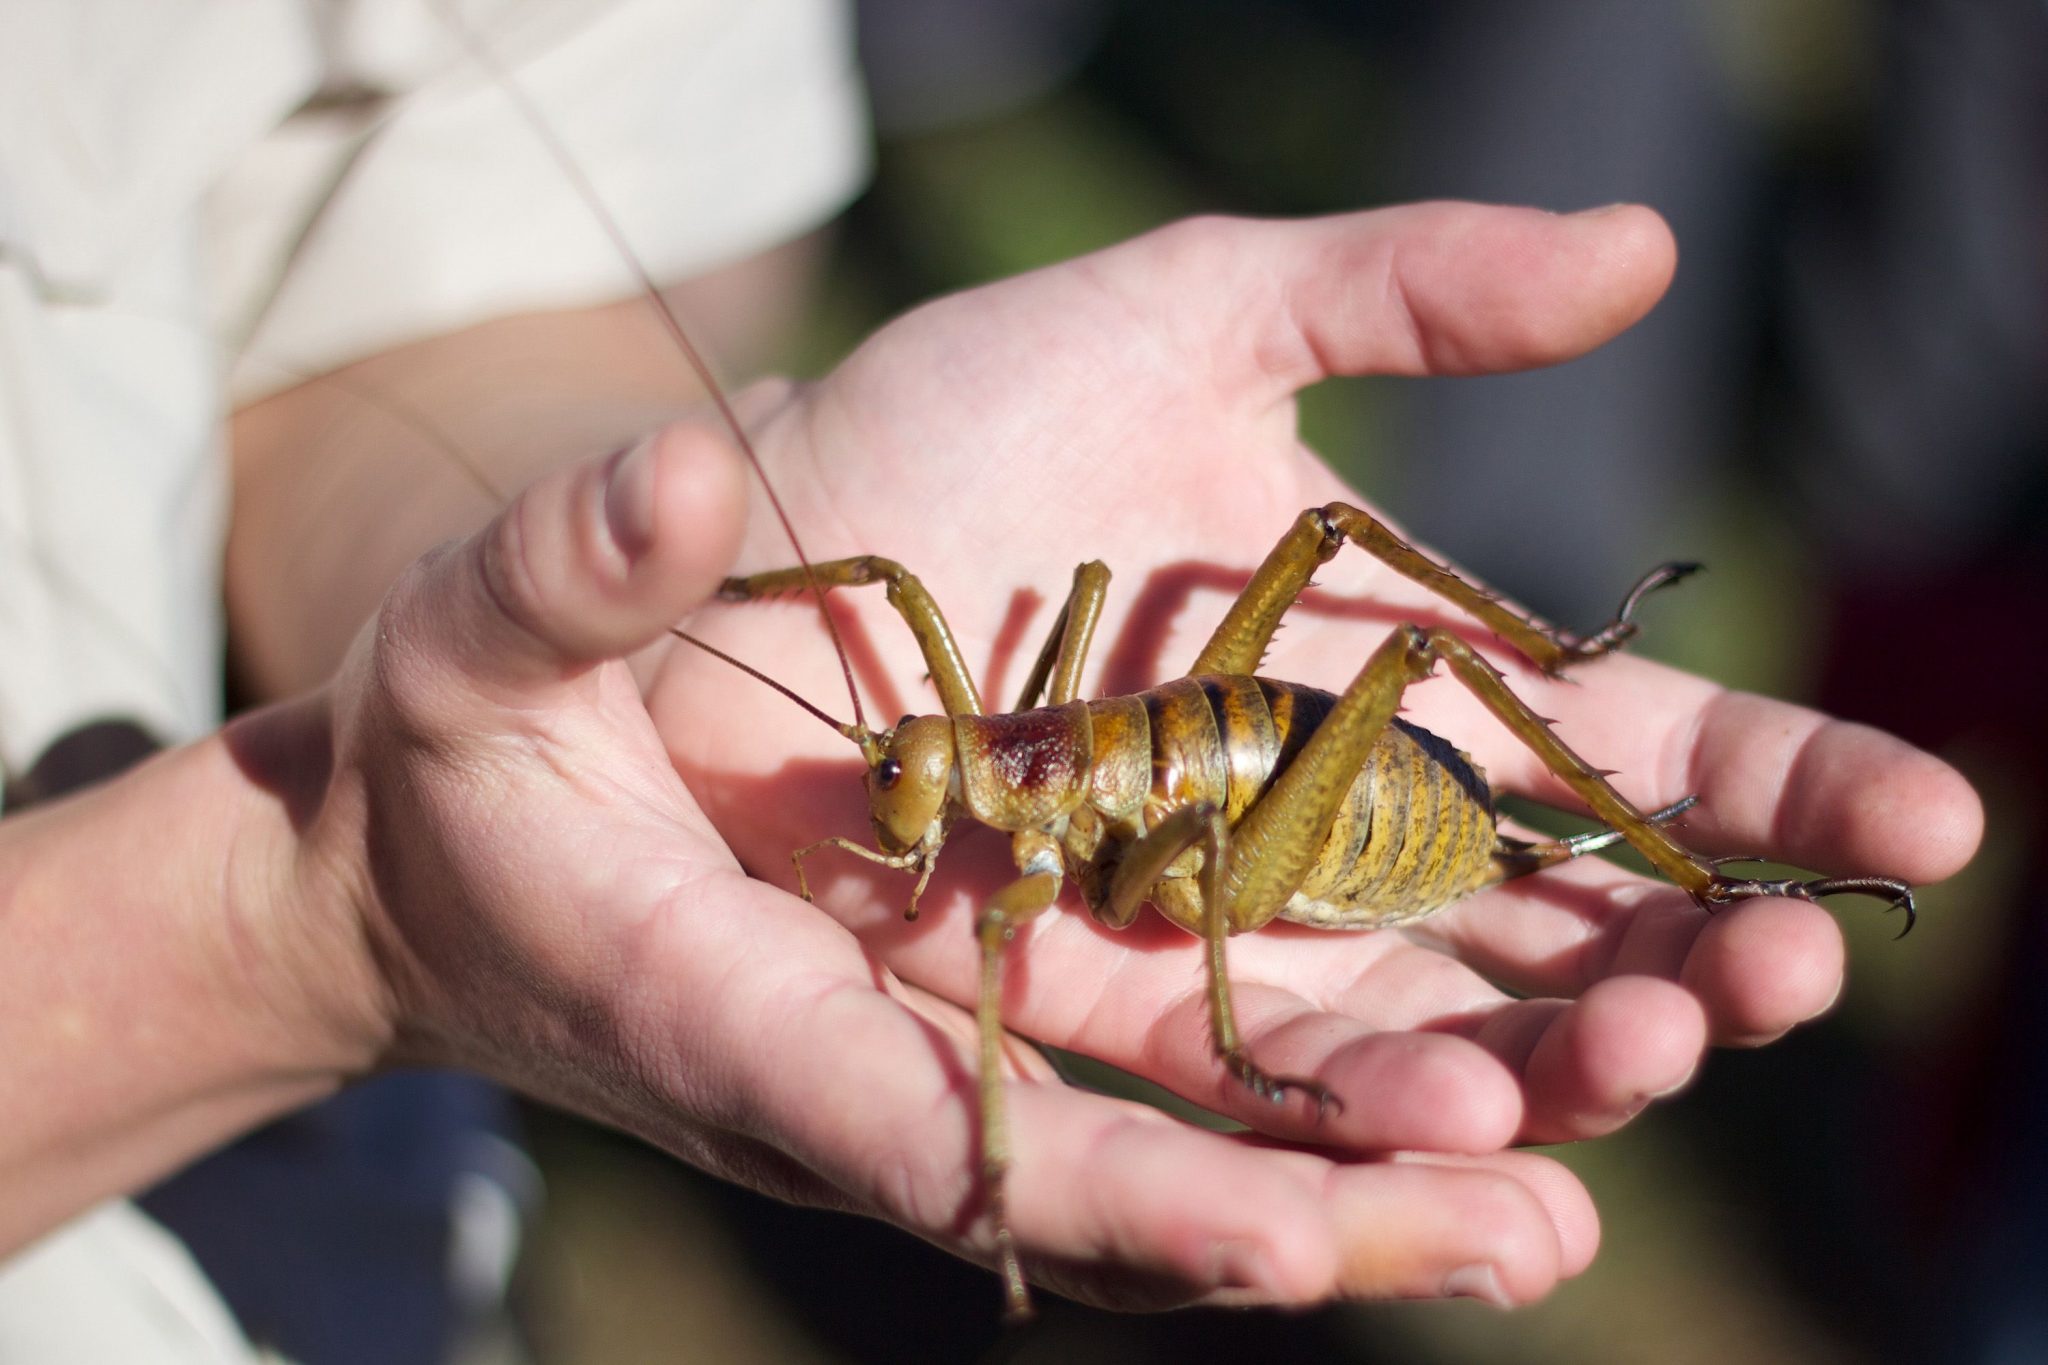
(1681,1083)
(1603,210)
(629,499)
(1646,1098)
(1243,1265)
(1480,1282)
(1834,999)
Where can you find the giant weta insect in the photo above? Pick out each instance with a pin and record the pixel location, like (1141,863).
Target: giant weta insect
(1228,800)
(1224,799)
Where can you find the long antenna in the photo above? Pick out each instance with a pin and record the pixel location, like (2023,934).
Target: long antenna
(851,732)
(416,420)
(573,172)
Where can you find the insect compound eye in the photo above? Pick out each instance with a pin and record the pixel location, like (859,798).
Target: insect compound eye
(887,773)
(905,721)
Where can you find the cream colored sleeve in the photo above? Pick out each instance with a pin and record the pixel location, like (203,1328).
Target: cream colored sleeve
(711,129)
(113,486)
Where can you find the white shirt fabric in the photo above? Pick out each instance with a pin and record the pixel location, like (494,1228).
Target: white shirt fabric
(113,1286)
(177,226)
(201,200)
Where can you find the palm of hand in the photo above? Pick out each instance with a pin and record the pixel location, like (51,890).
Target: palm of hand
(995,439)
(1100,409)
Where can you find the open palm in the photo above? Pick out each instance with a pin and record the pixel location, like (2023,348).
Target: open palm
(1137,406)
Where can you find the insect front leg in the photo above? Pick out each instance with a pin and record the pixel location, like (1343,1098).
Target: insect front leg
(1241,640)
(1023,900)
(907,595)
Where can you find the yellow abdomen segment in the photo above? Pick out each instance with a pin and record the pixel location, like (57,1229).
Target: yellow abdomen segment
(1415,833)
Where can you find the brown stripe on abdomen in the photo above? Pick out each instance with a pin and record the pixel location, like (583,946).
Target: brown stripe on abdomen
(1187,751)
(1249,738)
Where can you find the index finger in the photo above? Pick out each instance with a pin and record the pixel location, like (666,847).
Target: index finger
(1773,778)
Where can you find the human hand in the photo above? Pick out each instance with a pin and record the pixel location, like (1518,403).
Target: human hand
(1137,405)
(540,899)
(548,903)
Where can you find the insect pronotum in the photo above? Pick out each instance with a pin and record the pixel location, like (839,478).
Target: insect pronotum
(1224,799)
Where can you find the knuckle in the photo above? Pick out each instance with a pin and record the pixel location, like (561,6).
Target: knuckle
(401,663)
(1504,1218)
(1203,244)
(507,575)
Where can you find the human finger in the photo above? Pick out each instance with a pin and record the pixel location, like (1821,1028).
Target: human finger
(1757,969)
(588,564)
(1435,288)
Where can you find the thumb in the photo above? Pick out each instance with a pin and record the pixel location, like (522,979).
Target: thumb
(590,563)
(1439,288)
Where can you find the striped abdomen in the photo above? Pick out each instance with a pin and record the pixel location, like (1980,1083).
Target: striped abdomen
(1414,832)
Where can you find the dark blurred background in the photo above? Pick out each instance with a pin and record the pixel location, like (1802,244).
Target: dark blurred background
(1840,408)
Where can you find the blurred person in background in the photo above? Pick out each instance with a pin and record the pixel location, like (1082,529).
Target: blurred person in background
(208,199)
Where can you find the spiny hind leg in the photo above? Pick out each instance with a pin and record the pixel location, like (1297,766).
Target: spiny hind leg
(1514,857)
(907,595)
(1142,875)
(1246,631)
(1700,876)
(1277,840)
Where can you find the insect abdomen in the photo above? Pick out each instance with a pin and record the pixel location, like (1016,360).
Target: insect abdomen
(1415,830)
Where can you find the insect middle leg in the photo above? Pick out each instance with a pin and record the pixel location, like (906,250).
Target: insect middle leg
(1057,673)
(1241,640)
(1520,857)
(1032,894)
(1141,875)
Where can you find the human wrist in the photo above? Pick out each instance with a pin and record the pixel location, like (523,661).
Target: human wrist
(174,978)
(294,895)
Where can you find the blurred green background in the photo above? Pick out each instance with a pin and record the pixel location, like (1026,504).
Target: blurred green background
(1839,415)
